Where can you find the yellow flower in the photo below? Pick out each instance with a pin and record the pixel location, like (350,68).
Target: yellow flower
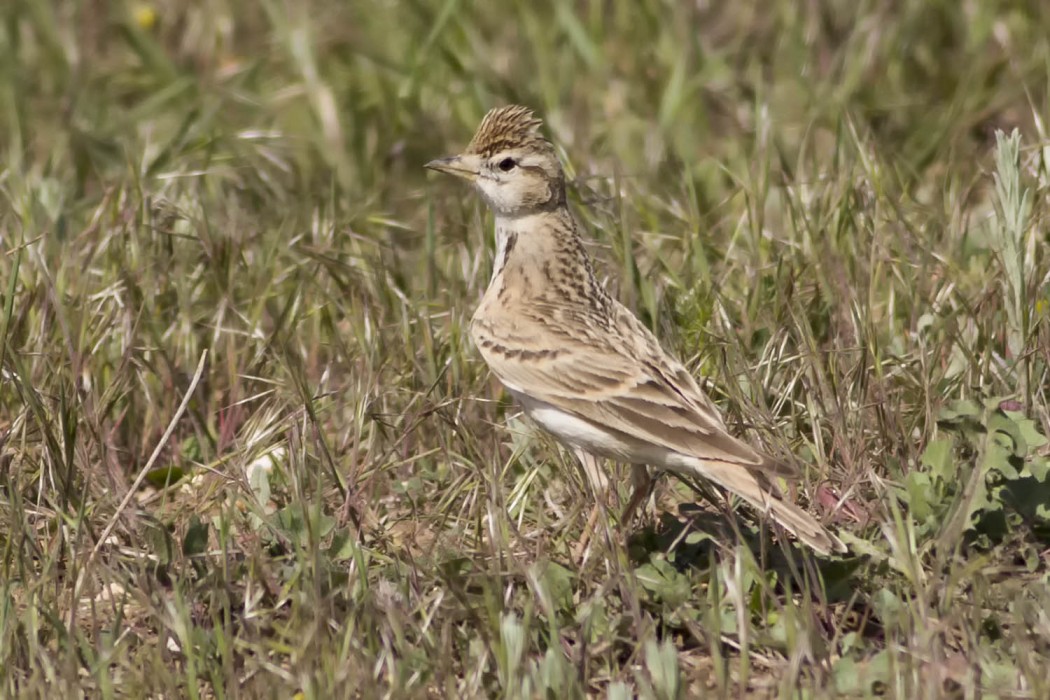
(145,16)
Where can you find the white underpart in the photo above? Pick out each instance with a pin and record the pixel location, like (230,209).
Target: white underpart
(589,437)
(505,226)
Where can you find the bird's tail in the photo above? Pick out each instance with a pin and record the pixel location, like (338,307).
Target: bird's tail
(737,479)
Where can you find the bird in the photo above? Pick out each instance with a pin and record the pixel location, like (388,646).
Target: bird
(579,362)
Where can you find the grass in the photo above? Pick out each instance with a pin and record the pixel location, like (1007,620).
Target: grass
(819,206)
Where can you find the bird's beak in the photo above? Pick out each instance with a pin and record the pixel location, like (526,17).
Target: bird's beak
(464,166)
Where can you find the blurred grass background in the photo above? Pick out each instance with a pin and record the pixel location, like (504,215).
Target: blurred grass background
(808,201)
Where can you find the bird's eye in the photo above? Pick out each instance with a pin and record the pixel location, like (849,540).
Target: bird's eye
(507,164)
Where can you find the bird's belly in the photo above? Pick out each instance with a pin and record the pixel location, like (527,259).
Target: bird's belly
(590,437)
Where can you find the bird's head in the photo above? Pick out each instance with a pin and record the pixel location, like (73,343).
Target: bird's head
(514,168)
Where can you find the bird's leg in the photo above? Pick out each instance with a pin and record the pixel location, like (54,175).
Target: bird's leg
(642,482)
(599,486)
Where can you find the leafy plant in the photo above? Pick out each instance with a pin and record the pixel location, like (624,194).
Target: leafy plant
(983,476)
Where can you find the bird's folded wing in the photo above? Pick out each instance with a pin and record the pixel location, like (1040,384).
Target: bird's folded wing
(645,395)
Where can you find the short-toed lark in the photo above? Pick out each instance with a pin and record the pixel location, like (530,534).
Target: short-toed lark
(579,362)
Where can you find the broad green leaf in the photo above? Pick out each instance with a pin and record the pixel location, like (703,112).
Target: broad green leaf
(1001,426)
(996,458)
(660,578)
(846,674)
(888,606)
(938,459)
(162,477)
(292,521)
(920,495)
(196,540)
(159,540)
(554,585)
(957,410)
(1029,430)
(859,678)
(558,580)
(1038,468)
(343,546)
